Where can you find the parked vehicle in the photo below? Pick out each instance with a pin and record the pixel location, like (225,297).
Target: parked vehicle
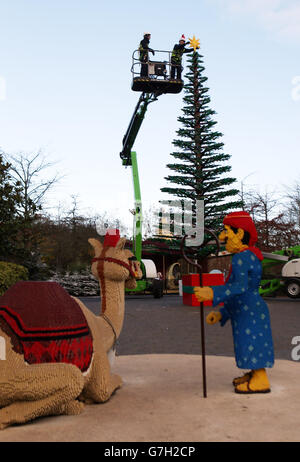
(281,269)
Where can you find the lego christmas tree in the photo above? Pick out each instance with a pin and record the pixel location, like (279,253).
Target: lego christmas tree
(201,168)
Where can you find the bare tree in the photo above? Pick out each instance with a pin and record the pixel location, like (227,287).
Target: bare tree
(28,169)
(64,245)
(293,202)
(268,217)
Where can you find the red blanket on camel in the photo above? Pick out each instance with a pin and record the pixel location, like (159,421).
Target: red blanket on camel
(46,324)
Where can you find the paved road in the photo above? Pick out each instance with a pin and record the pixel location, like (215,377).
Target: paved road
(167,326)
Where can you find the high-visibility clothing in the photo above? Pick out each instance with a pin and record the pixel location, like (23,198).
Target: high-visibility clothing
(144,49)
(177,53)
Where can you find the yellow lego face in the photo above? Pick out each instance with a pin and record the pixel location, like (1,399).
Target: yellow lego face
(233,240)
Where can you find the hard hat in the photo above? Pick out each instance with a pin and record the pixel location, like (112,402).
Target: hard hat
(182,38)
(147,33)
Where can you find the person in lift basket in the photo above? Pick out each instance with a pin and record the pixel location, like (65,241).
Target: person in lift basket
(144,53)
(176,57)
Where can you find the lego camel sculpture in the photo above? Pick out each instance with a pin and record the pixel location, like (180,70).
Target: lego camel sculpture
(56,349)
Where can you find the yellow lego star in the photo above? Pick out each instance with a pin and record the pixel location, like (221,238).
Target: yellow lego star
(194,43)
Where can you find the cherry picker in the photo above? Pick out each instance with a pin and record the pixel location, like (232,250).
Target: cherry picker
(157,83)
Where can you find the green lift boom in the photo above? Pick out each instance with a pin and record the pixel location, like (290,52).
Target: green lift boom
(158,81)
(129,158)
(281,269)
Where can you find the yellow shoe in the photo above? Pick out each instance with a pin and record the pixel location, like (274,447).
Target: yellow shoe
(244,378)
(258,383)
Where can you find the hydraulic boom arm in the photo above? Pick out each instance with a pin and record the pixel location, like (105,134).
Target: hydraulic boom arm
(129,159)
(135,125)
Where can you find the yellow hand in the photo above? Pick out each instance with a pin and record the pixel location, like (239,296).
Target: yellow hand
(213,317)
(204,294)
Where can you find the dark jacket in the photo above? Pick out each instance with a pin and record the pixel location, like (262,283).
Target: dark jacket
(178,51)
(144,49)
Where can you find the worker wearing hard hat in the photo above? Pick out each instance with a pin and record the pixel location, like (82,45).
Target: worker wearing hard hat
(144,53)
(176,57)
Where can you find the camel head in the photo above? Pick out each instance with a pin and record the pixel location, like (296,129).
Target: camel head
(113,262)
(130,283)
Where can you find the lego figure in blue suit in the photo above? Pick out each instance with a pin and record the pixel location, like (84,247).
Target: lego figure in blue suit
(243,306)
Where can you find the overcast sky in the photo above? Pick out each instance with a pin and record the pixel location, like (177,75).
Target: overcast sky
(65,87)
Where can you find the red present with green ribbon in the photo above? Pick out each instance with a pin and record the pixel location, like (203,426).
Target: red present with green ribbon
(189,281)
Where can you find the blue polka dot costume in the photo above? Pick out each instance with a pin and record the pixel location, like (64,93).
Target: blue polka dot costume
(247,311)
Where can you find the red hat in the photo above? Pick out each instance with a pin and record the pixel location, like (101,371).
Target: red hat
(112,237)
(182,38)
(244,221)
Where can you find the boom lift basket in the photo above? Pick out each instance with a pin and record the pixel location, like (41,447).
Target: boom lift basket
(158,79)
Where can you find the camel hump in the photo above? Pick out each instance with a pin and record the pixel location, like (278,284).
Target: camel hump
(46,324)
(42,304)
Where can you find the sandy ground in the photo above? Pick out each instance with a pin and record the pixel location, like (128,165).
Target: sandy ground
(161,400)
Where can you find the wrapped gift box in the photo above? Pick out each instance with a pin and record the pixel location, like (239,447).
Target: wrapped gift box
(189,281)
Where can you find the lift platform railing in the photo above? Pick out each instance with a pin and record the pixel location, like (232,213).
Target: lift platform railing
(158,67)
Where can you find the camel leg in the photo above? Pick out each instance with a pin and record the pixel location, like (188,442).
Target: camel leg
(39,390)
(102,383)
